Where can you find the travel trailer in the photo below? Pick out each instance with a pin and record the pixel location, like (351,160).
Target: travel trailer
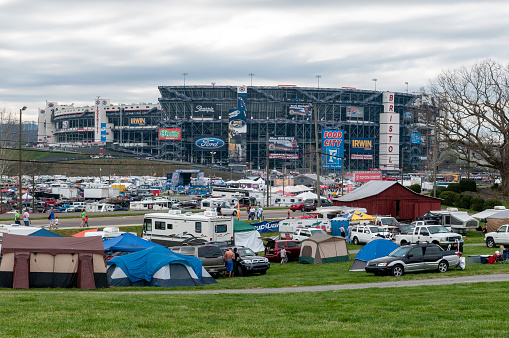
(176,229)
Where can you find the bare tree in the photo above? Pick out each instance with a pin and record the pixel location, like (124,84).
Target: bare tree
(474,105)
(9,129)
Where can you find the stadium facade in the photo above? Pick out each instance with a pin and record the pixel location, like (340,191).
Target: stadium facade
(248,126)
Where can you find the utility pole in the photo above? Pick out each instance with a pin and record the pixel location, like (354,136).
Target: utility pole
(318,157)
(20,207)
(267,169)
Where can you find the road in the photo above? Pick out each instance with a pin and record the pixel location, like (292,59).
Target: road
(95,219)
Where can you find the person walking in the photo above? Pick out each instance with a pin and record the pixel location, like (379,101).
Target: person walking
(51,218)
(86,222)
(284,257)
(56,222)
(83,215)
(260,213)
(26,218)
(229,256)
(17,218)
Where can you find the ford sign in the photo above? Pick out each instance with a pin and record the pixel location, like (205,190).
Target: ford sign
(209,143)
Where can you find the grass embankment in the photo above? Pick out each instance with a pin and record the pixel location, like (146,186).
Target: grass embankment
(453,310)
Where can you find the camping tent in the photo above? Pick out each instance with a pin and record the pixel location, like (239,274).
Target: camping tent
(157,266)
(127,242)
(82,233)
(246,235)
(374,249)
(52,262)
(357,216)
(321,248)
(45,233)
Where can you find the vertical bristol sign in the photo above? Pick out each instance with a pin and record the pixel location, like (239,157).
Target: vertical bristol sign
(389,134)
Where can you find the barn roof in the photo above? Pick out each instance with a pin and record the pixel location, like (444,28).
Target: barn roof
(372,188)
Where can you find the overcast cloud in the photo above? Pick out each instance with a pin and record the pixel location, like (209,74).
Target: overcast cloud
(74,51)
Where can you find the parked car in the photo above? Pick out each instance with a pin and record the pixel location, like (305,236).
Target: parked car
(362,234)
(210,255)
(497,237)
(310,204)
(251,263)
(413,258)
(301,234)
(297,206)
(273,250)
(118,207)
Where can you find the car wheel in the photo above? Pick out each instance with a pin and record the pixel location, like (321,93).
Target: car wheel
(404,243)
(293,210)
(355,241)
(443,266)
(234,213)
(490,243)
(240,273)
(397,270)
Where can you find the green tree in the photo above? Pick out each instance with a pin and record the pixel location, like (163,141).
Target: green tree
(468,185)
(416,188)
(477,204)
(448,198)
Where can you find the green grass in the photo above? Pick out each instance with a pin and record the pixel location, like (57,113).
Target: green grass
(452,310)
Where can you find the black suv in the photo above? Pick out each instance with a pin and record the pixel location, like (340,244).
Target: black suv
(310,204)
(251,263)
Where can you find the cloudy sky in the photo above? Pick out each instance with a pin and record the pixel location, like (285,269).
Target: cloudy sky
(73,51)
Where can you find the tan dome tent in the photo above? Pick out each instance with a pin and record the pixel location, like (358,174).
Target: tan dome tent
(52,262)
(321,248)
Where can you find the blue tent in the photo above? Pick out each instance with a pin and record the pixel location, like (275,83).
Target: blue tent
(157,266)
(45,233)
(128,242)
(374,249)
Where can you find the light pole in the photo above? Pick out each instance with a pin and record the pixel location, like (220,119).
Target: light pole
(212,153)
(374,80)
(19,163)
(406,87)
(184,75)
(251,75)
(318,77)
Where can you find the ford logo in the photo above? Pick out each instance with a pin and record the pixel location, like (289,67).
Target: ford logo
(209,143)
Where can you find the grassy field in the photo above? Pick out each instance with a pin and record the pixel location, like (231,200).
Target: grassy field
(455,310)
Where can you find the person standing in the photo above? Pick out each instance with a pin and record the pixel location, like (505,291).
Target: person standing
(236,261)
(83,215)
(26,218)
(56,222)
(51,218)
(343,232)
(284,257)
(86,222)
(229,256)
(17,218)
(260,213)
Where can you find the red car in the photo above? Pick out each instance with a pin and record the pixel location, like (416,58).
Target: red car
(297,206)
(273,250)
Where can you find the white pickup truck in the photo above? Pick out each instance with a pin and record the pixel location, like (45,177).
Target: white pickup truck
(498,237)
(436,234)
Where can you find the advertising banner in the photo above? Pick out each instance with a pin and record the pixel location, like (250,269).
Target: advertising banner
(103,132)
(205,110)
(283,147)
(415,138)
(366,177)
(170,134)
(354,111)
(283,181)
(209,143)
(264,226)
(138,121)
(300,109)
(332,145)
(237,128)
(361,157)
(389,134)
(362,145)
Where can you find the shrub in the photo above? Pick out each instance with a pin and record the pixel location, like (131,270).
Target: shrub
(416,188)
(468,185)
(448,198)
(491,203)
(454,187)
(462,201)
(494,186)
(477,204)
(440,190)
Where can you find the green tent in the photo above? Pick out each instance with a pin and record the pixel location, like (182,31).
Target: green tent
(246,235)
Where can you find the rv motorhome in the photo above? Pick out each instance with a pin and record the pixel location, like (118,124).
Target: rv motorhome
(176,229)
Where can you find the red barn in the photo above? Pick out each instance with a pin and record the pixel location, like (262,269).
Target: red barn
(389,198)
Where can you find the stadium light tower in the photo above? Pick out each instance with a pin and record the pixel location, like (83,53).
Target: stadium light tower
(251,75)
(374,80)
(406,87)
(318,77)
(20,207)
(184,75)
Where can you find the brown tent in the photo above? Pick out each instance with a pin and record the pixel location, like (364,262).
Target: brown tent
(52,262)
(322,248)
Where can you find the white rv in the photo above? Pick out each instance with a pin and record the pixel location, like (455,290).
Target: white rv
(288,226)
(160,204)
(175,229)
(459,221)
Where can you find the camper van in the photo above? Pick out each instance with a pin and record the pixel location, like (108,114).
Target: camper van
(176,229)
(228,205)
(458,221)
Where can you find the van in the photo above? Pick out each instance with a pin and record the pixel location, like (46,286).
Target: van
(310,204)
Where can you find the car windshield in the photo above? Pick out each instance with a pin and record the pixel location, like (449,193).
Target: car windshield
(388,220)
(317,231)
(400,252)
(437,230)
(407,228)
(245,252)
(376,229)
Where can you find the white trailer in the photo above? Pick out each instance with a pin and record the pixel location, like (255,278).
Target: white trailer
(100,193)
(175,229)
(65,192)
